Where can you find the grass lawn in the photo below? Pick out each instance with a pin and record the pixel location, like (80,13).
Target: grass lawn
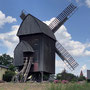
(70,86)
(44,86)
(23,86)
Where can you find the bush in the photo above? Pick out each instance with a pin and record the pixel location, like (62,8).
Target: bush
(81,78)
(12,67)
(66,76)
(8,76)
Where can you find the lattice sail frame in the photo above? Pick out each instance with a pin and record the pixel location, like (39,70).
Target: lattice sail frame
(62,17)
(54,26)
(66,57)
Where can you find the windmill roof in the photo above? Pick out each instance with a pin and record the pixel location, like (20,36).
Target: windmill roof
(25,46)
(32,25)
(4,66)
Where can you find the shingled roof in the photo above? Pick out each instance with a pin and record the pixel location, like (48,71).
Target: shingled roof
(4,66)
(32,25)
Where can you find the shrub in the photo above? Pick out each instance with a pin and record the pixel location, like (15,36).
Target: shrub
(66,76)
(81,78)
(12,67)
(8,75)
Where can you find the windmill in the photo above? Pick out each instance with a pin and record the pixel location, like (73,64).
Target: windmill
(35,53)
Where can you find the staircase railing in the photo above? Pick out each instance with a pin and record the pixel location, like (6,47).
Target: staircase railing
(28,69)
(23,74)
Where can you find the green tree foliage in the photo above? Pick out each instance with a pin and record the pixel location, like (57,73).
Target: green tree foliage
(5,60)
(8,76)
(12,67)
(81,78)
(66,76)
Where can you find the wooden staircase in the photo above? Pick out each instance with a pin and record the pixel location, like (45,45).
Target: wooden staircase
(23,74)
(28,69)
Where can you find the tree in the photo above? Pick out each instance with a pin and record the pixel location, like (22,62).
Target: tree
(5,60)
(66,76)
(81,77)
(12,67)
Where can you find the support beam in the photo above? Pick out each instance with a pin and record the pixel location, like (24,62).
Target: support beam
(59,25)
(42,76)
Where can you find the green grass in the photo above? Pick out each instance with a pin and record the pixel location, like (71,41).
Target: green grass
(44,86)
(23,86)
(70,86)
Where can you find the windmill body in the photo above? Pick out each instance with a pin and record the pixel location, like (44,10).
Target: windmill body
(37,40)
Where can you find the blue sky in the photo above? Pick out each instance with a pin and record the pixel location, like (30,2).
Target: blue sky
(74,35)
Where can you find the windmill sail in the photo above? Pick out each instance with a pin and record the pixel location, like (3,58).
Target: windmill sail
(65,56)
(61,18)
(54,26)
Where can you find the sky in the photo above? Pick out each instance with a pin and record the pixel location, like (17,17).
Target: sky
(74,35)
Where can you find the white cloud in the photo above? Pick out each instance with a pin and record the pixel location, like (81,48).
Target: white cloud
(75,48)
(10,39)
(60,65)
(83,2)
(87,3)
(49,21)
(4,19)
(84,67)
(77,1)
(87,53)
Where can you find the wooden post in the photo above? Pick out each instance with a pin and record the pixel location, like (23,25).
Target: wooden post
(42,76)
